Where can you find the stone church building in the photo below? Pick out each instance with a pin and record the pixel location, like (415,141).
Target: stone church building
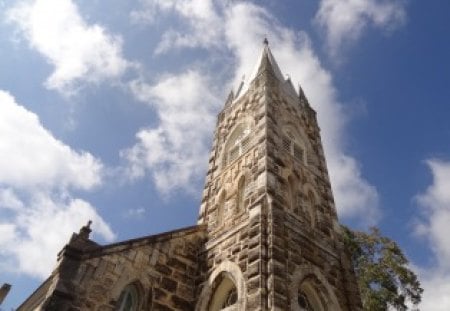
(267,237)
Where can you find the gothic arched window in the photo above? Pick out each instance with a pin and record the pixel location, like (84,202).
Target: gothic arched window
(129,299)
(225,295)
(238,143)
(303,301)
(308,298)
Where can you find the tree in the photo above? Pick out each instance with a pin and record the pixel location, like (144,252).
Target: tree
(384,279)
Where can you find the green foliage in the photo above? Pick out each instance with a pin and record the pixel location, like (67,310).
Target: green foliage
(382,270)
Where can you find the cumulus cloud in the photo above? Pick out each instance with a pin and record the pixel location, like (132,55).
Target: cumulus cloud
(435,205)
(32,157)
(42,228)
(37,175)
(344,21)
(355,197)
(436,288)
(198,17)
(176,151)
(79,52)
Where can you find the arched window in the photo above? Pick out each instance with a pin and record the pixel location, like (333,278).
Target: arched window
(308,298)
(303,301)
(240,198)
(310,290)
(225,295)
(129,299)
(238,143)
(224,289)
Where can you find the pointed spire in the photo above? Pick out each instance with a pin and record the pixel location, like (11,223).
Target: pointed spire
(289,87)
(301,94)
(303,99)
(268,63)
(241,85)
(230,98)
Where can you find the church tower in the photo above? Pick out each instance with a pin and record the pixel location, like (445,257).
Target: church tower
(273,240)
(268,238)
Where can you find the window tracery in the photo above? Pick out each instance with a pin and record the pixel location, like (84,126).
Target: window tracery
(294,146)
(308,298)
(129,299)
(238,144)
(230,299)
(225,295)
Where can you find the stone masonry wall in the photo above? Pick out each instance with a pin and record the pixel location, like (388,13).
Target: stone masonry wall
(297,239)
(164,269)
(239,236)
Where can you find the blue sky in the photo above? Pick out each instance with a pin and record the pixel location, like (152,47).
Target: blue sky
(107,109)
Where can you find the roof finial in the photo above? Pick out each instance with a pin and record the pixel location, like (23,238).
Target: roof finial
(85,230)
(266,42)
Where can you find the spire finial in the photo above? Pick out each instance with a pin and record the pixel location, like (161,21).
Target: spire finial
(265,41)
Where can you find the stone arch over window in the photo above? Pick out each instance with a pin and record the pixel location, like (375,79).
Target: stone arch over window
(131,277)
(224,290)
(295,143)
(224,294)
(310,202)
(310,290)
(130,298)
(237,143)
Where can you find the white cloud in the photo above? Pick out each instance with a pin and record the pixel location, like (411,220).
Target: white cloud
(79,52)
(45,226)
(40,230)
(198,16)
(37,174)
(32,157)
(344,21)
(137,213)
(434,227)
(355,197)
(7,234)
(435,203)
(176,151)
(436,291)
